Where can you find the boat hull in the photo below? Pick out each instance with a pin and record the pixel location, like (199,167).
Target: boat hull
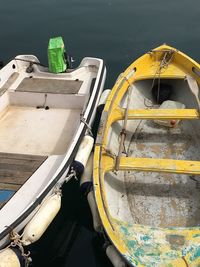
(145,173)
(45,123)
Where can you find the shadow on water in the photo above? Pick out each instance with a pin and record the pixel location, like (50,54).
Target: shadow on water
(70,239)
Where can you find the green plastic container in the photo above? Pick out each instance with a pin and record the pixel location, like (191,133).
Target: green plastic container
(56,58)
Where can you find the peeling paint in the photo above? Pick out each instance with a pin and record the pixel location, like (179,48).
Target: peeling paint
(154,246)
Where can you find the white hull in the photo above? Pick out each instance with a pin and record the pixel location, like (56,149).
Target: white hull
(43,121)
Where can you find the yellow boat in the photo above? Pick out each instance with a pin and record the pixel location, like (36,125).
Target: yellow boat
(147,161)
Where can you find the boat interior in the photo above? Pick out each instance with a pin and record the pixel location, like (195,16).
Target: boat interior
(155,199)
(51,104)
(39,116)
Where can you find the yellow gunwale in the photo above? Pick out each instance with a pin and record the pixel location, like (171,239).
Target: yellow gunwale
(181,66)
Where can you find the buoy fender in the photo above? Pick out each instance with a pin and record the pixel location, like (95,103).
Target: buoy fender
(85,150)
(103,99)
(115,257)
(8,258)
(87,174)
(95,214)
(44,216)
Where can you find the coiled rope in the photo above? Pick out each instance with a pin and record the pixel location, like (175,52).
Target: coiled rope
(164,63)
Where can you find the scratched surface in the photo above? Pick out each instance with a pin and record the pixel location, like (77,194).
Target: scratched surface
(156,215)
(155,199)
(151,246)
(164,199)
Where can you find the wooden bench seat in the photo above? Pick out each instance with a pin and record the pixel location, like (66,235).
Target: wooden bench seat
(53,86)
(15,169)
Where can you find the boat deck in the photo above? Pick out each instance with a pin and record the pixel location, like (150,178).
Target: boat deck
(15,169)
(175,195)
(155,198)
(28,130)
(53,86)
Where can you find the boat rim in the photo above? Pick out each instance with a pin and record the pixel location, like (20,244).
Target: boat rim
(100,145)
(83,128)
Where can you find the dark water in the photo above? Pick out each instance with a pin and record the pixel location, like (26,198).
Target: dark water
(116,30)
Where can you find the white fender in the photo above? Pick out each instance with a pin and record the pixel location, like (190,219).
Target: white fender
(115,257)
(87,174)
(87,179)
(8,258)
(41,220)
(85,149)
(103,99)
(95,214)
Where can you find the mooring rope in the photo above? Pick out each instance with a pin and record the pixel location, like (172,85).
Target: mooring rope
(87,125)
(164,63)
(72,174)
(17,242)
(166,60)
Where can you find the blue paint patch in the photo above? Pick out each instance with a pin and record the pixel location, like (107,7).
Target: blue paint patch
(196,254)
(145,238)
(124,230)
(5,195)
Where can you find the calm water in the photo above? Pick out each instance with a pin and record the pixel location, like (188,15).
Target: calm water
(117,31)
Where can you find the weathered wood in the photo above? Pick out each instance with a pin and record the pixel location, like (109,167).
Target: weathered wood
(163,114)
(4,155)
(15,170)
(18,162)
(14,176)
(9,186)
(38,85)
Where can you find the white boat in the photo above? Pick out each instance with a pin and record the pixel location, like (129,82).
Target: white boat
(44,118)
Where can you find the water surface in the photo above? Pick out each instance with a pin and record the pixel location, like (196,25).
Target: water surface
(116,30)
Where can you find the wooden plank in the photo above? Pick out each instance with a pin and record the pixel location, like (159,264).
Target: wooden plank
(10,186)
(164,114)
(15,177)
(53,86)
(21,156)
(160,165)
(18,167)
(15,169)
(16,162)
(152,165)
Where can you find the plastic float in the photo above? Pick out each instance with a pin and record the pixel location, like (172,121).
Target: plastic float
(42,219)
(86,188)
(8,258)
(103,99)
(114,256)
(82,156)
(14,256)
(51,205)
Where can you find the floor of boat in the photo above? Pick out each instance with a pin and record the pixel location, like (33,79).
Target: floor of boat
(15,169)
(53,86)
(158,199)
(28,130)
(164,199)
